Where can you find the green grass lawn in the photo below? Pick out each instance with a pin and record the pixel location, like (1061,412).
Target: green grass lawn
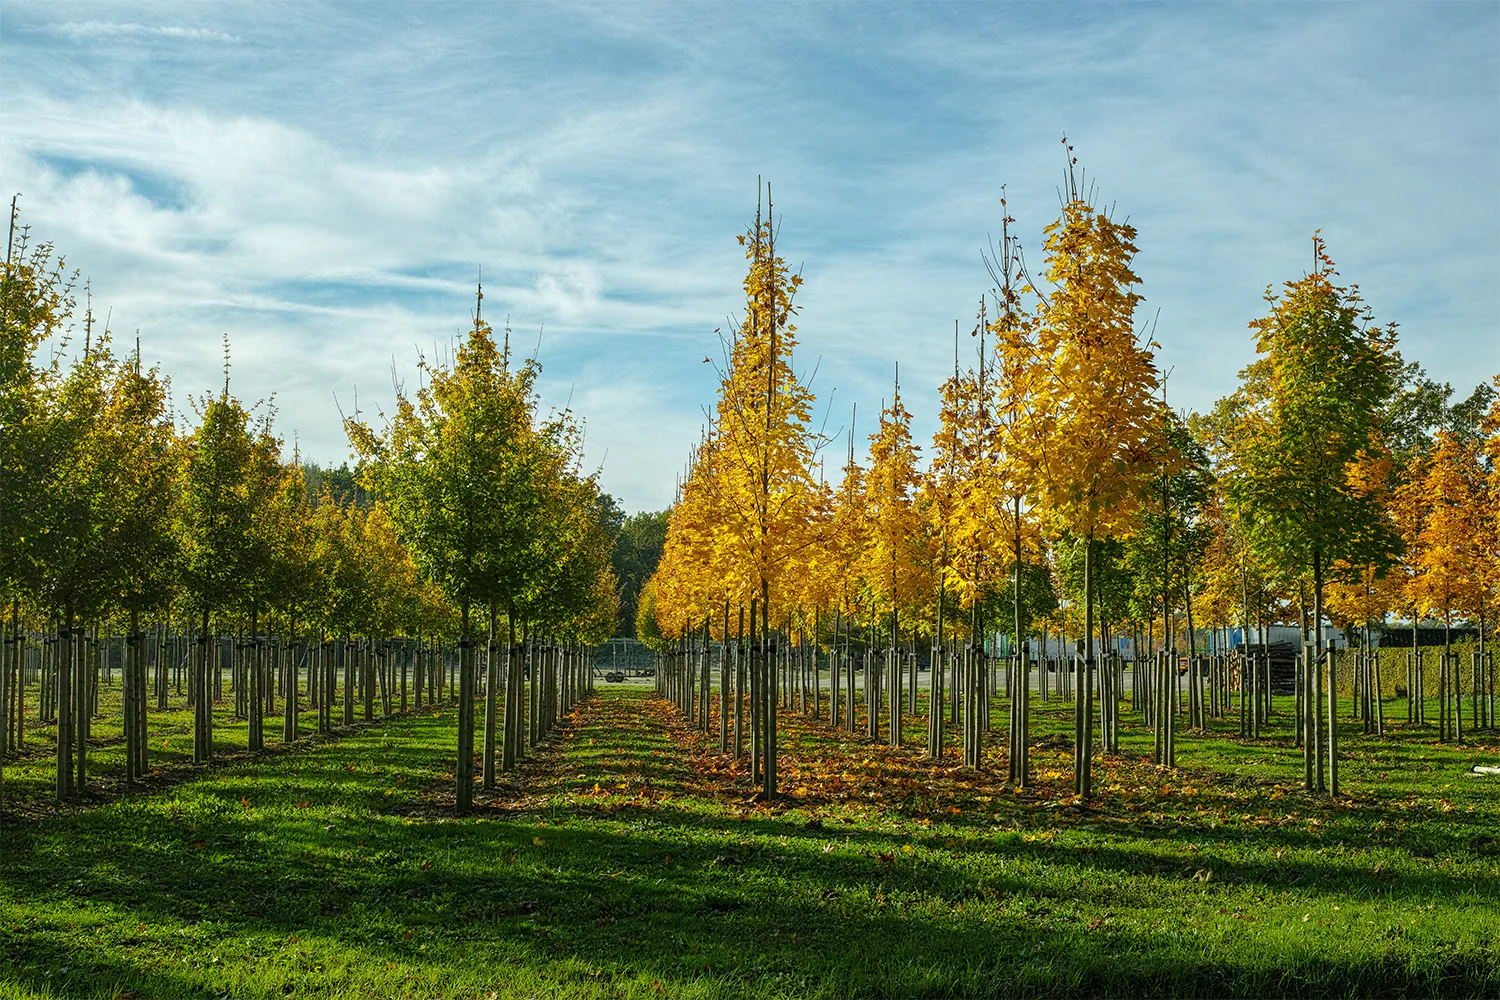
(30,779)
(628,859)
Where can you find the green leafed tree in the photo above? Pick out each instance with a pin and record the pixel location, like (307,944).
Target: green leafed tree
(220,549)
(638,548)
(36,304)
(76,537)
(1309,413)
(456,466)
(137,456)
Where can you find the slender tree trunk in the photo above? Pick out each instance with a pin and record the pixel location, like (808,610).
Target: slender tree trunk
(464,772)
(1455,676)
(895,675)
(1084,728)
(1195,676)
(348,660)
(936,675)
(1329,677)
(290,701)
(491,708)
(1416,699)
(1020,688)
(757,741)
(515,668)
(724,686)
(833,667)
(769,770)
(256,698)
(533,703)
(850,698)
(62,675)
(203,695)
(134,683)
(705,686)
(739,687)
(8,658)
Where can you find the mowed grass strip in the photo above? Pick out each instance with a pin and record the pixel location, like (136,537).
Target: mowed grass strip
(627,859)
(30,777)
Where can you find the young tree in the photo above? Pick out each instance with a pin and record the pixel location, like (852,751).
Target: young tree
(763,425)
(296,579)
(1309,411)
(138,458)
(455,467)
(219,547)
(343,589)
(983,528)
(897,563)
(1163,556)
(36,304)
(848,537)
(1021,432)
(267,496)
(1101,398)
(1449,558)
(75,517)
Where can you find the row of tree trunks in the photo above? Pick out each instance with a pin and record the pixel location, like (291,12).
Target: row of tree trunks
(528,689)
(783,672)
(72,666)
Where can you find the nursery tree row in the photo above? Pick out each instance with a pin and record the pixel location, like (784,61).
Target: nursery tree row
(191,547)
(1065,499)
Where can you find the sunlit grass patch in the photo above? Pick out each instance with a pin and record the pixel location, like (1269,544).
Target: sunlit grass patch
(628,859)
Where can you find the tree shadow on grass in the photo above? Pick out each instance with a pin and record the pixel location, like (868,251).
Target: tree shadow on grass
(51,969)
(106,782)
(651,891)
(611,902)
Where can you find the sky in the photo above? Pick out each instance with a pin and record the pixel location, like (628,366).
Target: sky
(324,183)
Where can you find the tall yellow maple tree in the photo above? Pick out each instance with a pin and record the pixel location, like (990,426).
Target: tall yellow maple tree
(1101,402)
(763,493)
(895,565)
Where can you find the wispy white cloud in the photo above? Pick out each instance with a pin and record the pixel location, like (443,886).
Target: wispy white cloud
(305,256)
(117,29)
(326,189)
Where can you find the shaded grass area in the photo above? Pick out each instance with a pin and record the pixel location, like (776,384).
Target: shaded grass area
(30,775)
(628,859)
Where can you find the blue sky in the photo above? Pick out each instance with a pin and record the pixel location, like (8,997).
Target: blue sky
(324,182)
